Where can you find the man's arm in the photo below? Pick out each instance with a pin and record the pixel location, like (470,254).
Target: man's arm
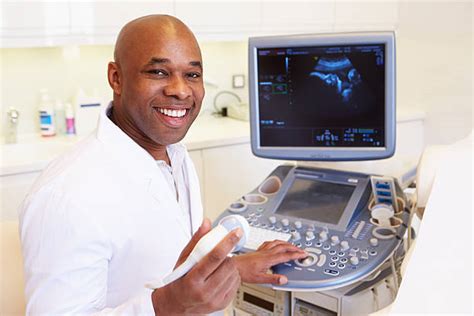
(66,257)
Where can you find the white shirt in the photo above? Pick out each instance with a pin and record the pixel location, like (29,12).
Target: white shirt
(101,222)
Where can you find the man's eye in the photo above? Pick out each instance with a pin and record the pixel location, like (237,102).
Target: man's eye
(194,75)
(158,72)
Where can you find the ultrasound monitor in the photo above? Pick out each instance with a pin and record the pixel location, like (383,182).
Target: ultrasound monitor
(323,96)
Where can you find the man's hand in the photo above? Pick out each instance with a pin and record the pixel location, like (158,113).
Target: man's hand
(253,266)
(209,286)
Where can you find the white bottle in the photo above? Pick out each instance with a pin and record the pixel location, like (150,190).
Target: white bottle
(46,114)
(60,118)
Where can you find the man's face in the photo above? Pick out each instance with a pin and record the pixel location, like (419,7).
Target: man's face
(161,87)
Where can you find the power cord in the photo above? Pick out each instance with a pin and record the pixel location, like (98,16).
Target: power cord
(223,111)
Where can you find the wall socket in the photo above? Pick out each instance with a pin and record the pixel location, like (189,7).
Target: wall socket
(238,81)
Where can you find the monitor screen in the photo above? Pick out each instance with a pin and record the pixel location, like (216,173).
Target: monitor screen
(324,202)
(323,97)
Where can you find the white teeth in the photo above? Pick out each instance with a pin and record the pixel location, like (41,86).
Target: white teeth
(172,113)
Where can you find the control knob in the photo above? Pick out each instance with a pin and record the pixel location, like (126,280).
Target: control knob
(285,222)
(298,225)
(309,235)
(323,236)
(295,236)
(272,220)
(335,240)
(354,260)
(374,242)
(344,245)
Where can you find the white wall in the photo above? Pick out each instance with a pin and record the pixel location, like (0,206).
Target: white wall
(435,66)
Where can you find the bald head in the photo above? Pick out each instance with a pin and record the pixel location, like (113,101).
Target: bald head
(150,28)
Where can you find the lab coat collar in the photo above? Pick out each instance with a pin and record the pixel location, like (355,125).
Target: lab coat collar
(137,158)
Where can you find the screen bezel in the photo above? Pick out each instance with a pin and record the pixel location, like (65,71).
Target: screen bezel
(325,153)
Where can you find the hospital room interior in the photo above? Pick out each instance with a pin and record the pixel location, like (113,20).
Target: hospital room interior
(343,128)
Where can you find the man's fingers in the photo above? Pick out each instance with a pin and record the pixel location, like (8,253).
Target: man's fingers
(213,259)
(271,278)
(285,257)
(285,247)
(270,244)
(202,230)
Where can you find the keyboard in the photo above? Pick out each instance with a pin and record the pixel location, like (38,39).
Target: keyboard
(258,236)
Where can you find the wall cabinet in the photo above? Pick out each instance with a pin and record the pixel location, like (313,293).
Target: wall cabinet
(33,23)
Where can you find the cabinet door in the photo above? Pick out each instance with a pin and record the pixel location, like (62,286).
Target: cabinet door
(100,22)
(366,15)
(220,20)
(13,189)
(297,17)
(229,173)
(33,23)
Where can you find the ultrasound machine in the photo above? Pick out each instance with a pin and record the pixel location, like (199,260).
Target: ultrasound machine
(324,97)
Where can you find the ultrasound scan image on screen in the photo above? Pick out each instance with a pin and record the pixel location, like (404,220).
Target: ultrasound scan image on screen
(314,200)
(325,96)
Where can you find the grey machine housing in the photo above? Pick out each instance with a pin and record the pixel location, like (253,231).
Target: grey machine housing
(325,153)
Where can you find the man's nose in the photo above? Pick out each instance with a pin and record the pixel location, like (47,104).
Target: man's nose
(177,87)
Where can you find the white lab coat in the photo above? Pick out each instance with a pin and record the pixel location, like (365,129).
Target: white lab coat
(100,223)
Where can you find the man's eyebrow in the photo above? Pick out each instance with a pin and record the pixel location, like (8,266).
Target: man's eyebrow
(156,60)
(196,64)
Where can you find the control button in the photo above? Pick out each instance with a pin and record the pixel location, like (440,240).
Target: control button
(323,236)
(272,227)
(264,225)
(285,230)
(358,229)
(322,260)
(343,260)
(295,235)
(308,243)
(287,264)
(258,215)
(364,256)
(272,219)
(354,261)
(326,247)
(309,235)
(352,253)
(331,272)
(260,209)
(335,240)
(364,251)
(373,253)
(341,266)
(277,228)
(315,250)
(356,249)
(252,214)
(312,270)
(341,254)
(344,245)
(335,258)
(332,264)
(374,242)
(285,222)
(256,224)
(298,244)
(308,261)
(318,244)
(298,225)
(298,268)
(292,230)
(332,252)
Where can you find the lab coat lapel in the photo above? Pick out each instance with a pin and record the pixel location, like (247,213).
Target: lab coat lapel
(160,191)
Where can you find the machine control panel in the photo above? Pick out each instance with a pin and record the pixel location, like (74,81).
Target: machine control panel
(325,212)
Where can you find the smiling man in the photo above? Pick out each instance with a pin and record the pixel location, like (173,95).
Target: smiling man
(123,207)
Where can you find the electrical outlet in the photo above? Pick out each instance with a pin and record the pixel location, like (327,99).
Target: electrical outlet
(238,81)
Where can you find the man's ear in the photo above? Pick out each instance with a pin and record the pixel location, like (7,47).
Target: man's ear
(115,77)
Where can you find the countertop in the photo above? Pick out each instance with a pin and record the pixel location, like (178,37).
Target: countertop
(32,152)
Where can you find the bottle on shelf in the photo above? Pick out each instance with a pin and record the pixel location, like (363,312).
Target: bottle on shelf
(70,120)
(46,114)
